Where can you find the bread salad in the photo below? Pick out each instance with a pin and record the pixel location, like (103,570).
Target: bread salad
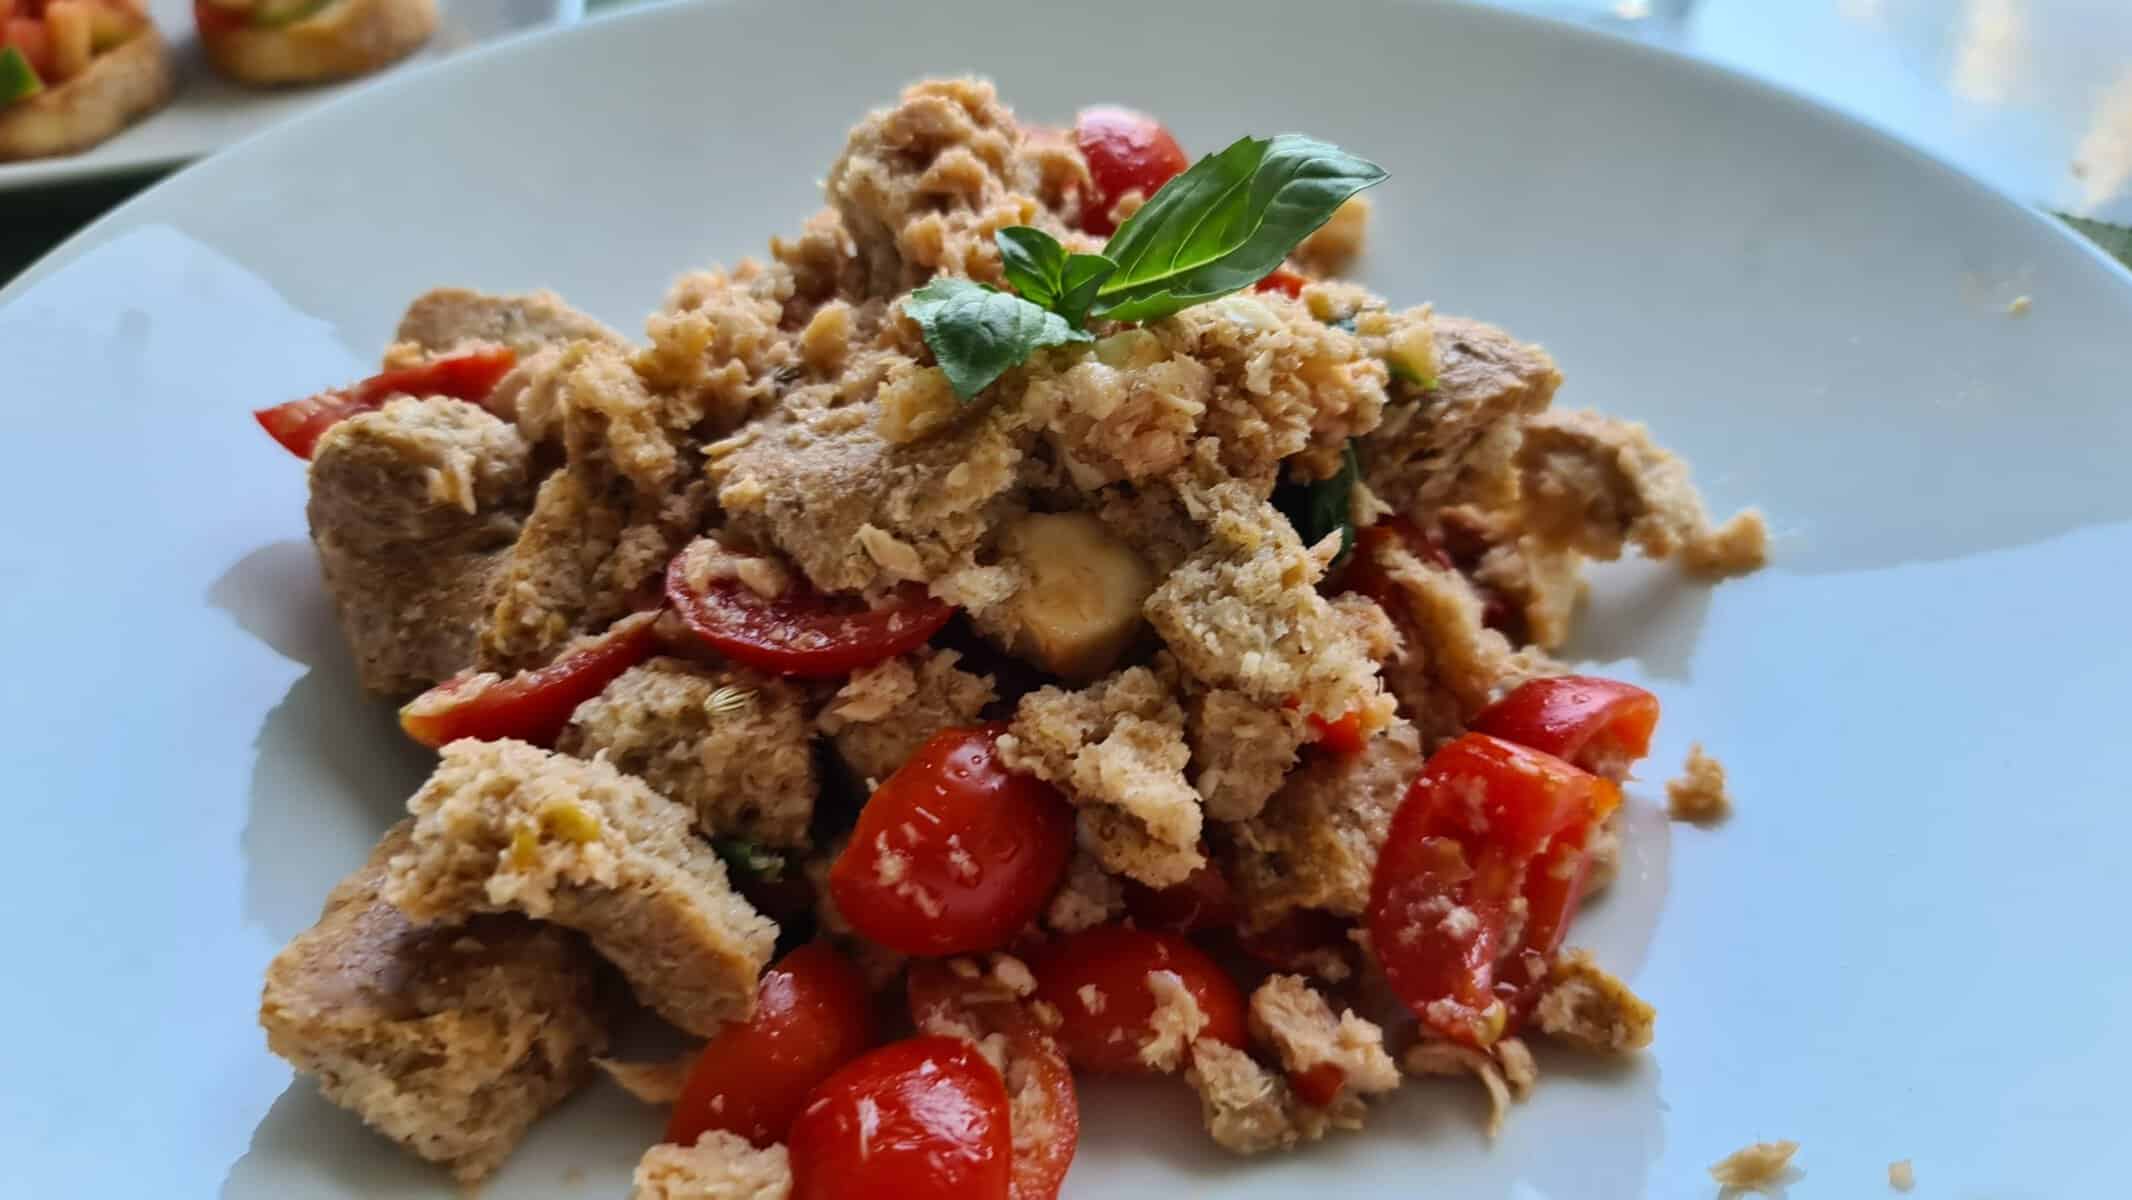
(74,72)
(1038,622)
(268,42)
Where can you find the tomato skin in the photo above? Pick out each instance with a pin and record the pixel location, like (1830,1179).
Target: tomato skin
(218,18)
(298,424)
(1288,283)
(29,35)
(1601,725)
(936,993)
(1343,735)
(1127,151)
(1104,1030)
(925,1117)
(1318,1086)
(1202,900)
(531,706)
(812,1015)
(1462,849)
(801,634)
(955,853)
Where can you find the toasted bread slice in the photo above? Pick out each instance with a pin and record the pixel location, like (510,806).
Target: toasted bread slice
(343,39)
(121,85)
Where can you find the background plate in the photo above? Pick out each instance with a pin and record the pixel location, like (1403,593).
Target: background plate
(209,112)
(1904,946)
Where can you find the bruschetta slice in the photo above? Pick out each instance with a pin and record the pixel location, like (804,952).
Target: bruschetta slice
(74,72)
(269,42)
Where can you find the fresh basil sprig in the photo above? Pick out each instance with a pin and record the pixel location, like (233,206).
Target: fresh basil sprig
(1047,276)
(1216,229)
(1223,225)
(977,333)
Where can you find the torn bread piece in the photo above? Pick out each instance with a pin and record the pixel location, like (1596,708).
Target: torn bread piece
(1507,1070)
(1699,794)
(1755,1167)
(1586,1007)
(720,1166)
(1249,1109)
(451,1040)
(505,827)
(1294,1019)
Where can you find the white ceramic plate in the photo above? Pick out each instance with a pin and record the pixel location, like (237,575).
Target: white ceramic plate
(210,112)
(1906,945)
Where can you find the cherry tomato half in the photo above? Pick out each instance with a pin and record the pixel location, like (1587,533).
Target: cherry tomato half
(1098,981)
(471,376)
(1127,151)
(918,1118)
(954,853)
(1485,823)
(1040,1093)
(1601,725)
(812,1015)
(531,706)
(801,633)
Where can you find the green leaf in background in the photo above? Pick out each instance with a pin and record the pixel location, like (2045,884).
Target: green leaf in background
(1221,226)
(977,333)
(1047,276)
(749,860)
(1318,508)
(2116,240)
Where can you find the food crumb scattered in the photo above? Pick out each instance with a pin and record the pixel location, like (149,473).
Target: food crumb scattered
(1901,1175)
(1699,794)
(2019,306)
(1754,1167)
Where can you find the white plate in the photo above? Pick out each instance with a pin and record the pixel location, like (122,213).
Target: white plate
(1906,945)
(210,112)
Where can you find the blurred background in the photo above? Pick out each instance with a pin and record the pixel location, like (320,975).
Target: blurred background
(2033,96)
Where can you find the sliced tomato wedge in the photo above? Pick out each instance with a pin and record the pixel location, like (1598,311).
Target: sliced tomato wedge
(802,633)
(1486,823)
(812,1015)
(1288,283)
(471,376)
(531,706)
(1098,979)
(924,1117)
(1601,725)
(1040,1092)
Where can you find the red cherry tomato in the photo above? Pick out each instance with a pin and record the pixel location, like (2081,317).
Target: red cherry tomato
(1046,1112)
(531,706)
(1318,1086)
(1202,900)
(954,853)
(1288,283)
(1098,981)
(1127,151)
(926,1117)
(217,18)
(1468,841)
(1601,725)
(298,424)
(802,633)
(28,35)
(812,1015)
(1342,736)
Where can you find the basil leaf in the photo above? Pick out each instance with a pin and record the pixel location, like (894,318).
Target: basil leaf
(977,333)
(1221,226)
(749,859)
(1047,276)
(1318,508)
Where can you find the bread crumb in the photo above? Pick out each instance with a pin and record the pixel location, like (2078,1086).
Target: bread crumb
(2019,306)
(1176,1021)
(1755,1167)
(1586,1007)
(1699,794)
(720,1166)
(1901,1175)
